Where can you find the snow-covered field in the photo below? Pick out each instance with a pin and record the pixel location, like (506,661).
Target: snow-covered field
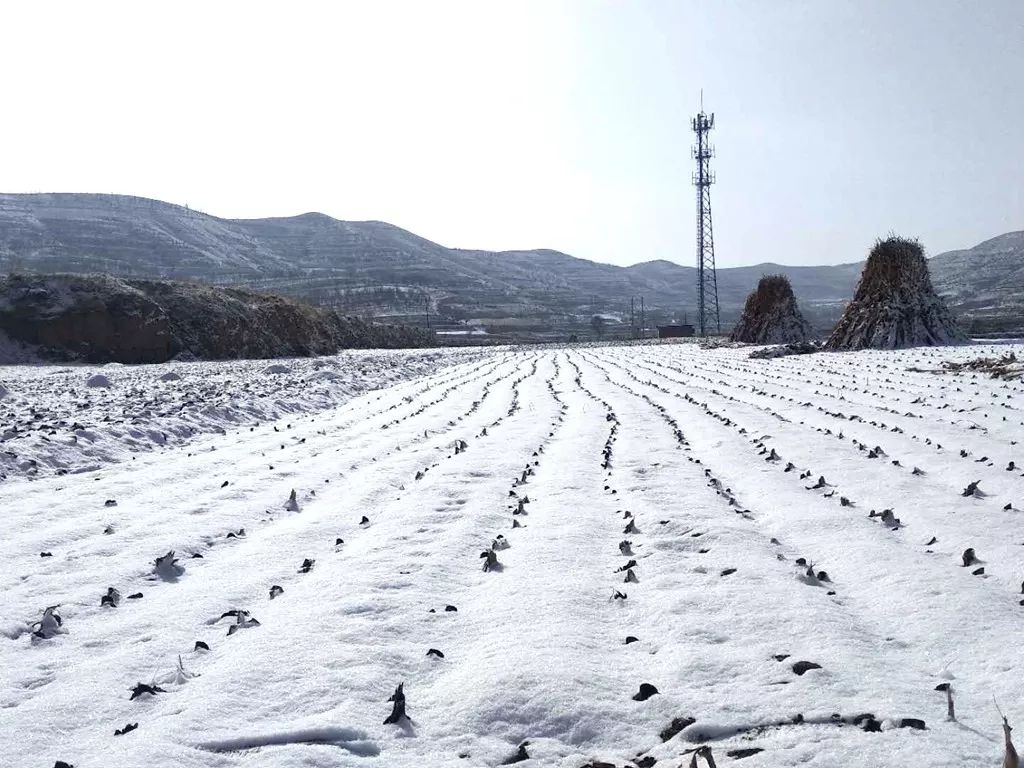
(680,518)
(67,419)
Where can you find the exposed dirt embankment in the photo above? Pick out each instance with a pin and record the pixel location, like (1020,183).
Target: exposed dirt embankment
(101,319)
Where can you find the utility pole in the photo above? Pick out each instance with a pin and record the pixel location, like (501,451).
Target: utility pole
(643,321)
(632,316)
(707,282)
(426,309)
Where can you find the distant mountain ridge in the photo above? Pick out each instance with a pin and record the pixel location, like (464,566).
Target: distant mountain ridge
(375,268)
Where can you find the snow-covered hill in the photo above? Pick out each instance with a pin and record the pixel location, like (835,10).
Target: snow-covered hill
(690,548)
(372,267)
(987,281)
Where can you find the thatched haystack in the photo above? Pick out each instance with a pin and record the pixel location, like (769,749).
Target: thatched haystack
(771,315)
(895,305)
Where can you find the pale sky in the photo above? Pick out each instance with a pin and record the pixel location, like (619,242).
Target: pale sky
(541,123)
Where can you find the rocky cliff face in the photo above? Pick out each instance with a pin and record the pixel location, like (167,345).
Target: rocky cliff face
(106,319)
(771,315)
(895,305)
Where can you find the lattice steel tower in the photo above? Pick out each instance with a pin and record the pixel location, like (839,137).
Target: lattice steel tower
(707,283)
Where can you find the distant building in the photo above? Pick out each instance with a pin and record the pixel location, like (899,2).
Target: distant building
(674,331)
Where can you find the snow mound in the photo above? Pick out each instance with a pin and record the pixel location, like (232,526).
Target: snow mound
(322,376)
(98,380)
(12,630)
(895,305)
(277,368)
(771,315)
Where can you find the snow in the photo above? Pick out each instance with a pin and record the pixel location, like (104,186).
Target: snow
(469,332)
(673,443)
(53,420)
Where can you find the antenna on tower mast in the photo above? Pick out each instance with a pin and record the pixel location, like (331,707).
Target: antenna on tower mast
(707,281)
